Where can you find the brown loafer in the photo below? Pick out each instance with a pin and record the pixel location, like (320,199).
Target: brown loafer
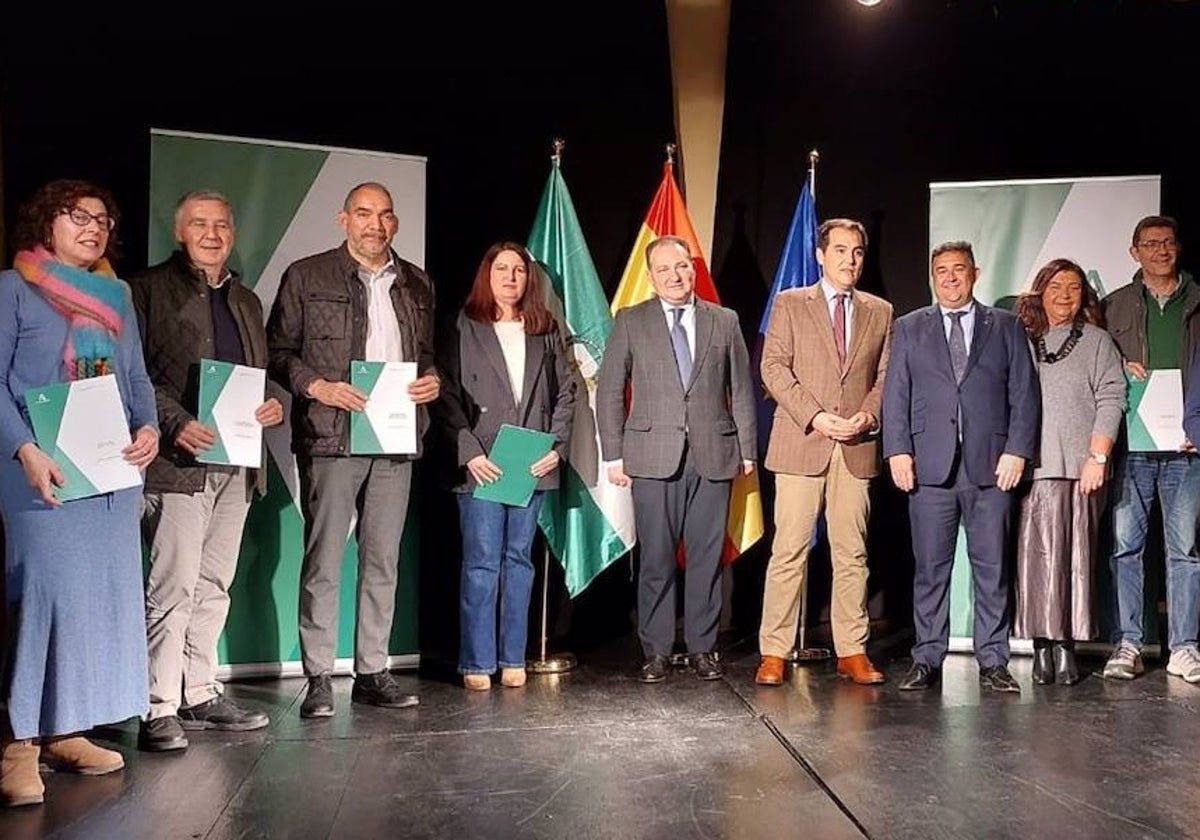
(770,671)
(859,668)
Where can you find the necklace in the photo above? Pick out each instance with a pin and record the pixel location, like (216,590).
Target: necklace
(1063,351)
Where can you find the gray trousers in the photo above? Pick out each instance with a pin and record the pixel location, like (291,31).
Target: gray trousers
(194,541)
(693,509)
(332,491)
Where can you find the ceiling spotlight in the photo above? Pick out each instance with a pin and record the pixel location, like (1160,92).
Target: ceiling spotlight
(869,2)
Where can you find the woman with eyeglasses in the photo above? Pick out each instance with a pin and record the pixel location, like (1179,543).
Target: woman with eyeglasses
(504,362)
(75,652)
(1083,401)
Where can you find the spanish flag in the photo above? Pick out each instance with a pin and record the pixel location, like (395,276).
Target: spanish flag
(669,216)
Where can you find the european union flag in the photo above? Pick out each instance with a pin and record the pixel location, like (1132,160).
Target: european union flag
(798,263)
(797,267)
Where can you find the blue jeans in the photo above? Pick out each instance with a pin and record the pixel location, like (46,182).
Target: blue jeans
(497,540)
(1176,477)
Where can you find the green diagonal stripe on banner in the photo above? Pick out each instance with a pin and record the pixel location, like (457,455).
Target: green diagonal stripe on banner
(274,185)
(1025,213)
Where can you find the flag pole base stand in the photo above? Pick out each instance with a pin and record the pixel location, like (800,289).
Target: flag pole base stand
(679,660)
(803,656)
(555,663)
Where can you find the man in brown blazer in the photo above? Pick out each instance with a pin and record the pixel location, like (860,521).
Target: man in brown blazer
(823,362)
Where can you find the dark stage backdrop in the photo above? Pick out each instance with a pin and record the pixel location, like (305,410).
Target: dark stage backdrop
(479,91)
(894,97)
(906,93)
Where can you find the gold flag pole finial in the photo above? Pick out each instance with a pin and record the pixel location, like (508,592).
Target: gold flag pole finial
(813,157)
(558,144)
(671,147)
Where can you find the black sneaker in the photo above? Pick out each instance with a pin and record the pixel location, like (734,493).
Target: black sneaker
(222,714)
(997,678)
(654,669)
(707,665)
(161,735)
(380,689)
(318,702)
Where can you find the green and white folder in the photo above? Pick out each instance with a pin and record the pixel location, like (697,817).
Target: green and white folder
(229,396)
(1154,416)
(388,425)
(82,426)
(514,452)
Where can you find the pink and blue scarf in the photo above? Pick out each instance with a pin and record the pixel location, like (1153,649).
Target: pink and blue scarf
(92,302)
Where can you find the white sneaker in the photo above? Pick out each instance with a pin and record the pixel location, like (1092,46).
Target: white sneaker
(1185,664)
(1124,664)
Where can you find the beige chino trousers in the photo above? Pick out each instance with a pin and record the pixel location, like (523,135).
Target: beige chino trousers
(799,500)
(194,541)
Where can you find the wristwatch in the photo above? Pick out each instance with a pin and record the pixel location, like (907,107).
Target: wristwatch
(1099,458)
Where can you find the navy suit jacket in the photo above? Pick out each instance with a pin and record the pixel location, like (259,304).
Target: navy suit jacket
(998,400)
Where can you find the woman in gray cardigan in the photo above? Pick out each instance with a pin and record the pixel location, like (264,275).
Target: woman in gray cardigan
(504,362)
(1083,399)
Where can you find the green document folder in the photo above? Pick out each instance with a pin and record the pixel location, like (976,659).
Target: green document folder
(514,452)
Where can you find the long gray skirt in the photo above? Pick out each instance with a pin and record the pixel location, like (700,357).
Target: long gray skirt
(1056,547)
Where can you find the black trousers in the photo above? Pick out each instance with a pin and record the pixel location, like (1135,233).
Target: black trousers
(690,508)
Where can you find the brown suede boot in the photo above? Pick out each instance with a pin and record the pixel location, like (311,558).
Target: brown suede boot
(20,782)
(76,754)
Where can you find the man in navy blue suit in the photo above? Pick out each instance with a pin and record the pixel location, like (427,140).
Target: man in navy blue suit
(960,420)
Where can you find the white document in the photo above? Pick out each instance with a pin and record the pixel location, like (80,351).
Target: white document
(91,434)
(388,425)
(1155,416)
(231,413)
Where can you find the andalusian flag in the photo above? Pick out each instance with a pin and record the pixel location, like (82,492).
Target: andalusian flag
(668,215)
(588,522)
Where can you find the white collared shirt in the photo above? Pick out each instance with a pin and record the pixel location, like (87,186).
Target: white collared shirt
(383,329)
(688,321)
(968,322)
(831,292)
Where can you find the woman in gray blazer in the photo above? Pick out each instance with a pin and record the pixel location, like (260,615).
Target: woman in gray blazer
(1083,399)
(504,362)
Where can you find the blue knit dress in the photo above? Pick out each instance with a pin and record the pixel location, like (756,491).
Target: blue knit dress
(76,650)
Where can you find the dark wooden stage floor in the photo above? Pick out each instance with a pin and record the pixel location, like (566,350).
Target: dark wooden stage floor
(595,754)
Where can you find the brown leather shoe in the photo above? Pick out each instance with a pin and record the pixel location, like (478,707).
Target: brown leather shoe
(859,668)
(770,671)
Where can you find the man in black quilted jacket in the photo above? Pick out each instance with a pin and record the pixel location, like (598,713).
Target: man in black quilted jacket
(360,301)
(191,307)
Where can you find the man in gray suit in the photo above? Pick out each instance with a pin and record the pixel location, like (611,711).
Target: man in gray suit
(689,429)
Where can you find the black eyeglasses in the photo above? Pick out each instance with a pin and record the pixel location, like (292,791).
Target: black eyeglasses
(81,217)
